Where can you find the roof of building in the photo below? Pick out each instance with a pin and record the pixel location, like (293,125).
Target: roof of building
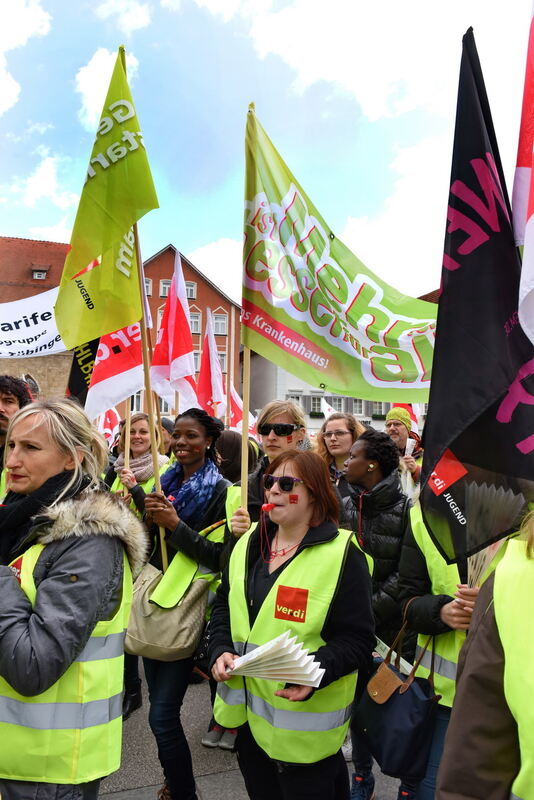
(20,258)
(431,297)
(146,263)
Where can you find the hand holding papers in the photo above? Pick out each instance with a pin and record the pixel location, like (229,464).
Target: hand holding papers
(281,659)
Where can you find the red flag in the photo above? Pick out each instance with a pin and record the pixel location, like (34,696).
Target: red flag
(118,370)
(173,365)
(210,387)
(523,170)
(108,425)
(236,414)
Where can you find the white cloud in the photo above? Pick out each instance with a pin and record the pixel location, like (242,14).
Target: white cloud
(222,263)
(60,232)
(44,184)
(131,15)
(92,82)
(403,244)
(39,127)
(23,19)
(172,5)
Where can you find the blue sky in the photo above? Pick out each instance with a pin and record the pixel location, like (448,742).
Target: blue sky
(358,97)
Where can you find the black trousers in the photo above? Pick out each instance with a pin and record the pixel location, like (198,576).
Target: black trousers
(266,779)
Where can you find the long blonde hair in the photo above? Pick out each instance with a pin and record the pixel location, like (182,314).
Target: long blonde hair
(70,429)
(355,427)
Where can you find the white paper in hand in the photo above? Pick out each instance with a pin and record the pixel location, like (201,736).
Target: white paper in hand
(283,659)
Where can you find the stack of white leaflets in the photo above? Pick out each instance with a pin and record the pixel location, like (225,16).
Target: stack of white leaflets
(281,659)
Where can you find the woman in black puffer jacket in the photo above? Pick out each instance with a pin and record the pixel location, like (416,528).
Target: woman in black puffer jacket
(378,514)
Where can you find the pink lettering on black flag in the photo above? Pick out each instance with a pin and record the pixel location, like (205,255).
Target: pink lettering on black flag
(478,464)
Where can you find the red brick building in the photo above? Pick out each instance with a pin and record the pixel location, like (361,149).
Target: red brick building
(28,267)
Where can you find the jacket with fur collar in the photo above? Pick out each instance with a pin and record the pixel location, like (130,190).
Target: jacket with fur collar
(78,577)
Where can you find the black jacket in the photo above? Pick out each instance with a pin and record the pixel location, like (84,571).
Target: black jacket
(255,489)
(380,518)
(186,538)
(348,630)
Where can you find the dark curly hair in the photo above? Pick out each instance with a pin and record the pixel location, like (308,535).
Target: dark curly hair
(18,388)
(213,427)
(381,448)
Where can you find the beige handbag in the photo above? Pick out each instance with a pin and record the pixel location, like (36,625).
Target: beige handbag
(165,634)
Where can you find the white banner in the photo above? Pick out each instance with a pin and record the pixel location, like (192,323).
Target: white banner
(28,327)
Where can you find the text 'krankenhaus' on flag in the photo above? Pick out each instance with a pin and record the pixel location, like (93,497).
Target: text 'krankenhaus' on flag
(99,291)
(311,306)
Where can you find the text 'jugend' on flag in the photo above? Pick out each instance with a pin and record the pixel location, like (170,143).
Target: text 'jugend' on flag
(478,466)
(311,306)
(99,290)
(173,365)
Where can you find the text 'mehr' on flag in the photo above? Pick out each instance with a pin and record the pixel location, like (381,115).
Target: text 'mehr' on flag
(478,466)
(99,290)
(311,306)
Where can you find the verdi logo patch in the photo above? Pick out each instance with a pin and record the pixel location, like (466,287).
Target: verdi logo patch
(291,603)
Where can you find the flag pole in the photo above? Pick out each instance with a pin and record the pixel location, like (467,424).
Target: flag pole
(127,429)
(148,397)
(244,427)
(176,404)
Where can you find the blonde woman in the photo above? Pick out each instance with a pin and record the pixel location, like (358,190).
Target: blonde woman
(334,440)
(64,604)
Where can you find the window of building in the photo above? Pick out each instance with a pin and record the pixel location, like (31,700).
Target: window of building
(336,403)
(161,309)
(378,408)
(220,324)
(191,290)
(164,287)
(164,407)
(315,405)
(222,359)
(194,316)
(136,401)
(39,275)
(358,406)
(295,398)
(148,287)
(196,358)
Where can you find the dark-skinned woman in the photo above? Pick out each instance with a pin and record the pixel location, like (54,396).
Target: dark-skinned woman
(193,498)
(378,514)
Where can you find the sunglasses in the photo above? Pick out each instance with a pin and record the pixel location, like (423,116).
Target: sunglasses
(280,428)
(285,482)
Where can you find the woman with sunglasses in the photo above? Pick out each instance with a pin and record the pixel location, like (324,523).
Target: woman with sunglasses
(281,426)
(334,440)
(294,572)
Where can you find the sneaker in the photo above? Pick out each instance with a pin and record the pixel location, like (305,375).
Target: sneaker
(346,748)
(363,787)
(227,741)
(213,735)
(405,793)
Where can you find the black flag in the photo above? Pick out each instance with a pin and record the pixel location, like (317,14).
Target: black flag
(478,468)
(83,361)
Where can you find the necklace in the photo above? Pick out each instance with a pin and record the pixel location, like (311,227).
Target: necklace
(281,551)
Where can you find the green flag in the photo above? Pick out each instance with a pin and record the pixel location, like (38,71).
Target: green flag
(99,290)
(311,306)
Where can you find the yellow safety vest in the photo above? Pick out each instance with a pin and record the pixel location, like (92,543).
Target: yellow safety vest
(3,485)
(147,485)
(72,732)
(513,597)
(445,579)
(299,602)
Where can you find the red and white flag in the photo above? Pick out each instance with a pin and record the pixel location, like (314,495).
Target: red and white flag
(326,408)
(523,195)
(414,410)
(236,414)
(210,386)
(173,365)
(118,370)
(108,425)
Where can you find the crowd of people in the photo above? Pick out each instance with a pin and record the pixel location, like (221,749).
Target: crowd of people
(331,546)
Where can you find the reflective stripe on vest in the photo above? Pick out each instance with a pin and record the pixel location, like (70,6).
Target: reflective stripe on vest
(513,599)
(444,579)
(307,585)
(71,732)
(442,666)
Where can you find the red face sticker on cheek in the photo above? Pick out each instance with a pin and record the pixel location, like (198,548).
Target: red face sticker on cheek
(293,498)
(290,438)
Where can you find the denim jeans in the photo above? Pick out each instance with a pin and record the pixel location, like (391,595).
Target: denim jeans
(427,788)
(26,790)
(167,683)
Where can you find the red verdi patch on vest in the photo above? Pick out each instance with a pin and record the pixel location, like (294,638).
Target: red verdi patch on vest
(291,603)
(16,568)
